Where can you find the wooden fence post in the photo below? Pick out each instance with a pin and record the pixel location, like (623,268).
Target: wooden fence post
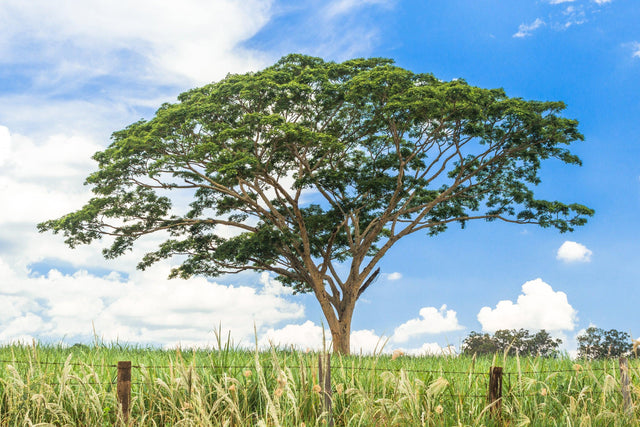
(624,385)
(495,390)
(324,379)
(123,388)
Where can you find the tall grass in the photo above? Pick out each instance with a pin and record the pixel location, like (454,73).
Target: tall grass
(52,385)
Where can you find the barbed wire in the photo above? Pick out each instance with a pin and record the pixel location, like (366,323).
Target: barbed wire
(296,366)
(38,362)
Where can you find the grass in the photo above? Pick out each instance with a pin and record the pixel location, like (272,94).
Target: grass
(76,386)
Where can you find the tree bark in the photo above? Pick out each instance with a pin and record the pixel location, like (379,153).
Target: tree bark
(339,320)
(341,335)
(338,310)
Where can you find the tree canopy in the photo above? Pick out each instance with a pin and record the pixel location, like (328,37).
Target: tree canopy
(313,170)
(597,343)
(512,341)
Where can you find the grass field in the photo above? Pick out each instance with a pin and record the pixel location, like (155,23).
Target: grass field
(76,386)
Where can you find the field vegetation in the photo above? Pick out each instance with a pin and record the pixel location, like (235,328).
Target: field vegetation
(76,386)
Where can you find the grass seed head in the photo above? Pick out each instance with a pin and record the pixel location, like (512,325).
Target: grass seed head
(282,380)
(437,386)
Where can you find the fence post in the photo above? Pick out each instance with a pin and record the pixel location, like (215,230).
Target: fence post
(324,379)
(495,390)
(123,388)
(624,385)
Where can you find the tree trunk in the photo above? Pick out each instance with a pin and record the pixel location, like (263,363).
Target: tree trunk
(341,333)
(339,318)
(341,337)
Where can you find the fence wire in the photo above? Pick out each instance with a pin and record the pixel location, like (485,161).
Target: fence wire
(313,366)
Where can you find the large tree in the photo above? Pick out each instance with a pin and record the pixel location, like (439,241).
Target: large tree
(313,170)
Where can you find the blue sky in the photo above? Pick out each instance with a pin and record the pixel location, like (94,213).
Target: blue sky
(75,71)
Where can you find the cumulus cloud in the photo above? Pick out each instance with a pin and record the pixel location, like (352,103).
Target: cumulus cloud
(636,49)
(431,321)
(309,336)
(42,180)
(559,1)
(602,1)
(538,307)
(146,308)
(525,30)
(432,349)
(394,276)
(573,252)
(366,341)
(305,336)
(272,286)
(196,39)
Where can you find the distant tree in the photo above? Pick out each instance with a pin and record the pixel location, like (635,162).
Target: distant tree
(314,170)
(515,341)
(477,343)
(596,343)
(542,344)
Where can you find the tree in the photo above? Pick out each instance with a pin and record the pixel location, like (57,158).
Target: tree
(477,343)
(514,341)
(542,344)
(596,343)
(313,170)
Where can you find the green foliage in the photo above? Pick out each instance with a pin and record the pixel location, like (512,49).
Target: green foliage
(513,342)
(596,343)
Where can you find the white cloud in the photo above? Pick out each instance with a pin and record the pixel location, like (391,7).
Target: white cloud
(310,336)
(146,308)
(394,276)
(602,1)
(44,180)
(40,181)
(39,116)
(432,349)
(272,286)
(573,252)
(525,30)
(559,1)
(161,39)
(539,307)
(431,321)
(636,49)
(366,341)
(305,336)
